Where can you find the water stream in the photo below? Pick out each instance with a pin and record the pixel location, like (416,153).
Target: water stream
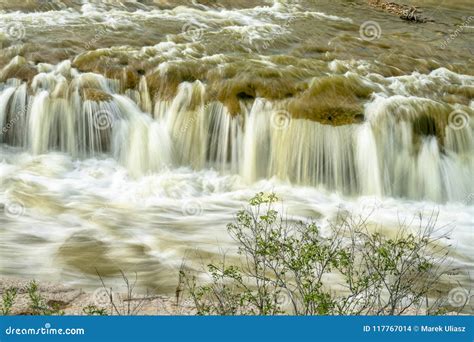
(132,133)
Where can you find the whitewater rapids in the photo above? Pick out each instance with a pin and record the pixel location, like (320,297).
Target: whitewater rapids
(131,143)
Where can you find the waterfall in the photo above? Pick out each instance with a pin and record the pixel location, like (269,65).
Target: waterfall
(367,162)
(41,124)
(187,122)
(5,96)
(404,148)
(140,143)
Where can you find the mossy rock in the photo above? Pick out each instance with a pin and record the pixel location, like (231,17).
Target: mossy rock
(270,85)
(165,85)
(95,95)
(326,114)
(18,68)
(332,100)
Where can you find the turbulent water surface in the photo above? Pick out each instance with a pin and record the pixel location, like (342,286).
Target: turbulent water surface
(133,132)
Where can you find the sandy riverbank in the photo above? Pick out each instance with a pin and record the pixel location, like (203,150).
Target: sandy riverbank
(72,301)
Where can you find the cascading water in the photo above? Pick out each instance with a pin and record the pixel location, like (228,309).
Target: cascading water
(392,153)
(132,132)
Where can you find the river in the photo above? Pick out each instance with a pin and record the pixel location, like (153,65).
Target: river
(133,132)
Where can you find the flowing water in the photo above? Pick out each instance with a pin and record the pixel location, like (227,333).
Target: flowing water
(133,132)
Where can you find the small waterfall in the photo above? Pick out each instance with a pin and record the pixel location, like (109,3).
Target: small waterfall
(419,154)
(405,147)
(13,110)
(5,96)
(256,144)
(187,122)
(309,153)
(41,124)
(368,169)
(140,143)
(224,139)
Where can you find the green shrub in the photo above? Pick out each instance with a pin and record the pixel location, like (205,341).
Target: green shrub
(284,267)
(8,299)
(92,310)
(38,305)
